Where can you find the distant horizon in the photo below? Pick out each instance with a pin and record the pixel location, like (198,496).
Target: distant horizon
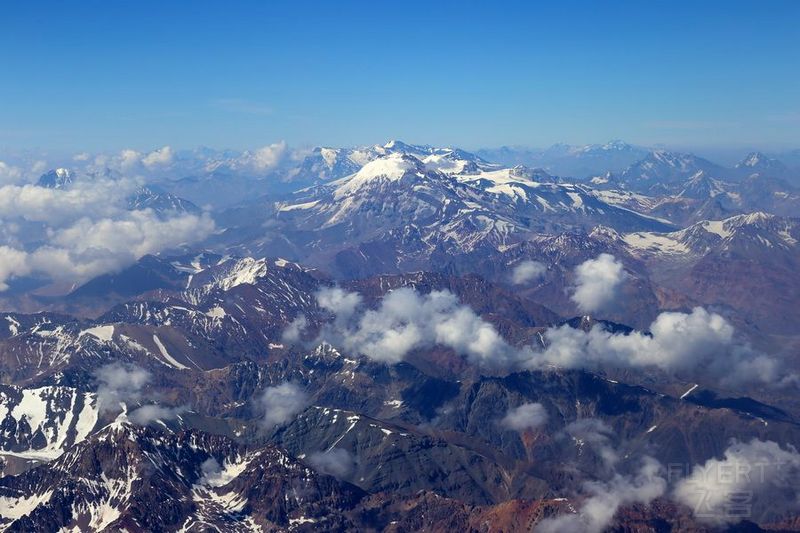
(726,155)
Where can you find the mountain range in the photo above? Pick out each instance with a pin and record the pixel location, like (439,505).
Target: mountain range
(404,337)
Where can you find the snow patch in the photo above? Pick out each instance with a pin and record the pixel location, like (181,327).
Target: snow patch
(165,354)
(103,333)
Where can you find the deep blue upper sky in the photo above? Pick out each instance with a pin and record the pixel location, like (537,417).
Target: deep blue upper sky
(106,75)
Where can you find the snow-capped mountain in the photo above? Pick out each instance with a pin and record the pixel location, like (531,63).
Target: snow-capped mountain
(57,178)
(412,205)
(132,478)
(39,424)
(657,172)
(570,160)
(739,234)
(746,263)
(758,162)
(370,440)
(160,201)
(701,186)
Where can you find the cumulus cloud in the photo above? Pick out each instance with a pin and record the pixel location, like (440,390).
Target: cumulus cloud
(527,271)
(118,384)
(692,344)
(596,282)
(597,434)
(526,416)
(161,157)
(86,199)
(754,477)
(605,498)
(281,403)
(336,462)
(89,247)
(270,156)
(10,173)
(12,263)
(77,232)
(696,345)
(341,303)
(146,414)
(406,320)
(295,328)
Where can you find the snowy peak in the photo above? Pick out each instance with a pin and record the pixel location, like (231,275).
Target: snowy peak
(161,481)
(747,233)
(701,186)
(615,145)
(160,201)
(661,169)
(757,161)
(40,423)
(390,168)
(58,178)
(229,273)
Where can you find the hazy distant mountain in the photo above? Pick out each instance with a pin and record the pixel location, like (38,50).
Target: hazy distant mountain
(569,160)
(661,169)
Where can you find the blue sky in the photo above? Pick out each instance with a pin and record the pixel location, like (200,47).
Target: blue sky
(107,75)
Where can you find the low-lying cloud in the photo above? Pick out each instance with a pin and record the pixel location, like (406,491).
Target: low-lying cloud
(119,384)
(527,271)
(697,345)
(149,413)
(692,345)
(336,462)
(525,416)
(757,476)
(90,247)
(282,403)
(405,321)
(605,498)
(597,282)
(757,480)
(597,435)
(295,329)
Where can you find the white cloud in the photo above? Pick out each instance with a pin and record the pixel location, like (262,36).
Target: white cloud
(135,234)
(597,281)
(85,229)
(128,158)
(341,303)
(281,403)
(151,413)
(597,434)
(606,498)
(527,271)
(750,475)
(295,329)
(161,157)
(270,156)
(525,416)
(38,167)
(698,344)
(406,320)
(101,198)
(88,247)
(12,263)
(10,174)
(336,462)
(119,384)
